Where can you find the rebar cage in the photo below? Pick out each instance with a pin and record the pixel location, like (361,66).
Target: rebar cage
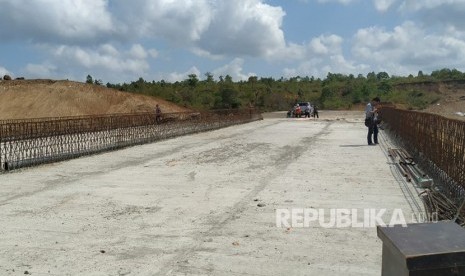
(437,143)
(31,142)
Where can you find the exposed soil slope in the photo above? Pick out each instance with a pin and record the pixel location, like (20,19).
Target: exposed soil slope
(452,104)
(49,98)
(451,95)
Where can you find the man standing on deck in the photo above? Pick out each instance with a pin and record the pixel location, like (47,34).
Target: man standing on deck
(157,114)
(371,114)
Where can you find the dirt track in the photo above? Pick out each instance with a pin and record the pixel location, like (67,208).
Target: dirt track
(189,206)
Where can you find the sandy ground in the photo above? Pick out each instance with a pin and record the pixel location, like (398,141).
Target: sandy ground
(21,99)
(453,109)
(190,205)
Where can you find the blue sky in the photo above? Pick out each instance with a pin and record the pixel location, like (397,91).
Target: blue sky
(120,40)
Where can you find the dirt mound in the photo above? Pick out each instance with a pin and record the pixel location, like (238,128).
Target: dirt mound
(454,110)
(21,99)
(452,104)
(450,94)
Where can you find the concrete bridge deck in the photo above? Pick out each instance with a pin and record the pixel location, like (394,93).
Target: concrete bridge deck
(189,206)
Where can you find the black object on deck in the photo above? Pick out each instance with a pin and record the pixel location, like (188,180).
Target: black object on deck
(423,249)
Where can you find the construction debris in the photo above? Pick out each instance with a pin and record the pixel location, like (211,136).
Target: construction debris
(439,207)
(408,168)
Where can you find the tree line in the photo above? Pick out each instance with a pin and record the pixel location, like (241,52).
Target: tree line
(336,91)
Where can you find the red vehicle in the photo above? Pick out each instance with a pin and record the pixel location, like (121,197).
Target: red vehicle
(302,109)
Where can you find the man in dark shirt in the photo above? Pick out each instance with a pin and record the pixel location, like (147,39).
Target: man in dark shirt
(371,113)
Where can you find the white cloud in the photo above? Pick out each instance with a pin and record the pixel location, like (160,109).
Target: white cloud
(326,44)
(436,13)
(45,70)
(324,54)
(153,53)
(345,2)
(210,28)
(179,22)
(109,50)
(407,49)
(380,5)
(415,5)
(244,28)
(320,66)
(103,62)
(118,39)
(61,21)
(291,52)
(203,53)
(233,69)
(383,5)
(176,76)
(138,52)
(318,47)
(105,57)
(90,35)
(4,71)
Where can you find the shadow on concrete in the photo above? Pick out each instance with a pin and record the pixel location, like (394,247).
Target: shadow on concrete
(353,146)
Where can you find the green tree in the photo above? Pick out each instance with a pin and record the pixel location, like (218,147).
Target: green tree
(228,98)
(192,80)
(335,91)
(382,76)
(384,87)
(89,79)
(371,76)
(228,79)
(209,77)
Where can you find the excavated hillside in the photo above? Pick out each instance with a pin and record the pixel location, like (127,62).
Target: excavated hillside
(451,95)
(21,99)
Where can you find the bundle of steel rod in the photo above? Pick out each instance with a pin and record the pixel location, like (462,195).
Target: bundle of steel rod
(439,207)
(36,141)
(408,168)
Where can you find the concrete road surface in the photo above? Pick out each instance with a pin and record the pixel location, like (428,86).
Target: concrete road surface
(205,204)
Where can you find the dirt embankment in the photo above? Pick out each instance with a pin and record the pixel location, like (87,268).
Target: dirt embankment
(451,94)
(21,99)
(452,104)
